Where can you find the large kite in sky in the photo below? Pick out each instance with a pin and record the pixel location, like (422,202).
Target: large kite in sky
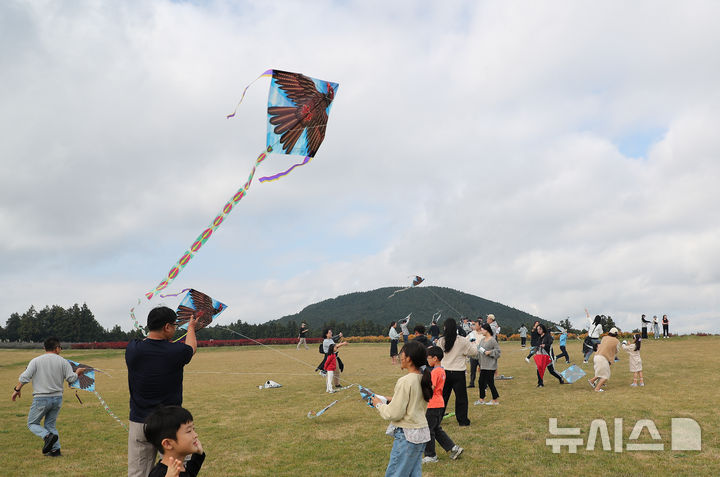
(298,108)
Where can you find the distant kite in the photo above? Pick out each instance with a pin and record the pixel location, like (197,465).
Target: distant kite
(417,281)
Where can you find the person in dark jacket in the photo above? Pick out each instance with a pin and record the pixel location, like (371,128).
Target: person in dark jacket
(534,341)
(420,336)
(545,347)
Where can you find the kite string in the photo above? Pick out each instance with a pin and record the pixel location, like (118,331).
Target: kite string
(109,411)
(448,304)
(279,352)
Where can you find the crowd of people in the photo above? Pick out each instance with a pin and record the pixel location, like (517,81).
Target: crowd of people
(436,369)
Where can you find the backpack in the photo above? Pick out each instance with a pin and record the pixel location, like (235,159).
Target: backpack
(320,349)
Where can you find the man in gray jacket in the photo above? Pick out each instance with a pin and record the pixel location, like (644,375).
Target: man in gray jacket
(47,372)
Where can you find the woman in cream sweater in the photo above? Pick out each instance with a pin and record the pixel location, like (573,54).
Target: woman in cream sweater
(405,410)
(456,348)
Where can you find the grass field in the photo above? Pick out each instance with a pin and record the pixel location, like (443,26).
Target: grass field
(248,431)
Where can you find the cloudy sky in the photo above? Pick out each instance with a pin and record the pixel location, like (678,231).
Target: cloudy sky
(552,156)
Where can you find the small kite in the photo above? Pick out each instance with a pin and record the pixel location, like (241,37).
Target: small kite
(297,115)
(196,303)
(572,373)
(86,382)
(542,361)
(417,281)
(269,384)
(435,318)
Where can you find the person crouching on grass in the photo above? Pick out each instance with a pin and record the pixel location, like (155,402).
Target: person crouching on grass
(604,357)
(405,410)
(171,431)
(436,409)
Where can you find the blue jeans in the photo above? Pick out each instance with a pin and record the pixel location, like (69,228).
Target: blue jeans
(405,457)
(49,408)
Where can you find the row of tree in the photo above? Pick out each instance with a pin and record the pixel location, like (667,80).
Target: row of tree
(78,324)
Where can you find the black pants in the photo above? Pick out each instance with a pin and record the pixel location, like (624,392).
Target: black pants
(644,332)
(434,418)
(564,353)
(487,379)
(474,363)
(523,340)
(455,382)
(665,330)
(550,369)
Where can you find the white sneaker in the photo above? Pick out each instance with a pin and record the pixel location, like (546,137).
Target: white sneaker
(479,401)
(527,360)
(492,403)
(641,384)
(455,452)
(428,459)
(633,385)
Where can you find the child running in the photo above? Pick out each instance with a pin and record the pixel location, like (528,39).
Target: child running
(405,410)
(635,360)
(172,431)
(435,410)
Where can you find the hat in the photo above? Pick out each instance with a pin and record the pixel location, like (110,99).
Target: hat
(613,331)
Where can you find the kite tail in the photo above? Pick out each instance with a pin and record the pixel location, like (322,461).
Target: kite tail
(207,233)
(265,74)
(109,411)
(283,174)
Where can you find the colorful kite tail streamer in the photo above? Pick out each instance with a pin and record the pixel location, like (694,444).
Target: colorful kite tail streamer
(207,233)
(109,411)
(264,75)
(283,174)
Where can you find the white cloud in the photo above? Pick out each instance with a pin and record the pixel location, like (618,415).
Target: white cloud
(474,143)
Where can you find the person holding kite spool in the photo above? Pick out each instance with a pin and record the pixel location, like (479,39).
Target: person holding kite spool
(406,412)
(456,349)
(47,373)
(394,338)
(155,377)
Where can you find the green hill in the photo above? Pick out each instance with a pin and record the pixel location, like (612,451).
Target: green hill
(376,310)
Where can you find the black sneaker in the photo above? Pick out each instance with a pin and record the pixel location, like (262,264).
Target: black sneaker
(50,440)
(55,453)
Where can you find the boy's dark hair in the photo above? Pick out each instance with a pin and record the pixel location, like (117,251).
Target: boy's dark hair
(436,351)
(419,329)
(159,317)
(51,343)
(164,423)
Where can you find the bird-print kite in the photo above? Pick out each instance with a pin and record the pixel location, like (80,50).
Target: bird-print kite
(197,303)
(86,382)
(416,281)
(298,109)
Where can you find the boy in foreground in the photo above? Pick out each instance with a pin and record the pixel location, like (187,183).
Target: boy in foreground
(172,431)
(436,409)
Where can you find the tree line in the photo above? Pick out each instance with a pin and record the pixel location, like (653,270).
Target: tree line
(77,324)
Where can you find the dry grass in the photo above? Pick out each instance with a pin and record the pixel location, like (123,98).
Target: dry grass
(247,431)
